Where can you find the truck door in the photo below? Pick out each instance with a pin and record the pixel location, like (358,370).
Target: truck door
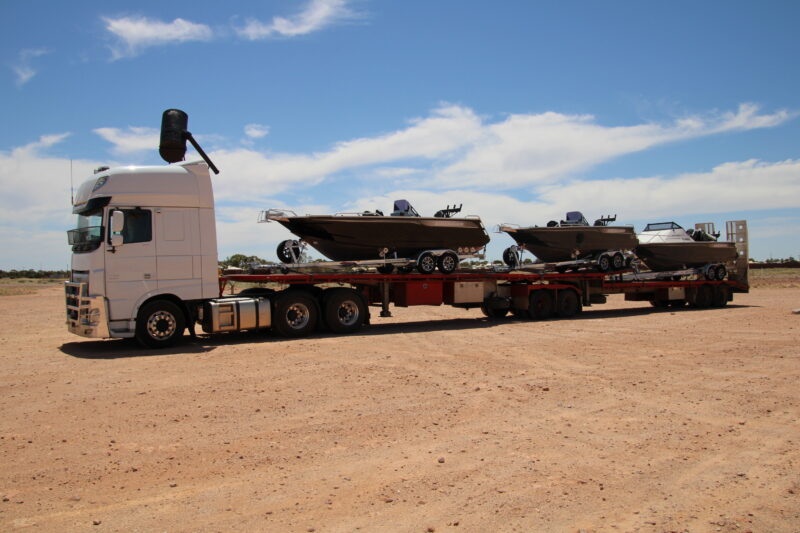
(178,259)
(130,268)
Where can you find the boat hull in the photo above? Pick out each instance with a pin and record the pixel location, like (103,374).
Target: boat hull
(661,256)
(557,244)
(354,238)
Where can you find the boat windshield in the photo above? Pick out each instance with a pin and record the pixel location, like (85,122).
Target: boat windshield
(88,234)
(661,226)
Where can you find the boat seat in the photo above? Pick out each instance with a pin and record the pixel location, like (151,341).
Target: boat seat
(402,208)
(574,218)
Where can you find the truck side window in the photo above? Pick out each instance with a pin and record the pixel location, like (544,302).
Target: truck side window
(138,226)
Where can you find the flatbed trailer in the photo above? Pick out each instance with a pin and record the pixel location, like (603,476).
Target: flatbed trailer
(300,302)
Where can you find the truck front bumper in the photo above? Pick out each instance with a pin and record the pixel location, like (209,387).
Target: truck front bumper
(87,316)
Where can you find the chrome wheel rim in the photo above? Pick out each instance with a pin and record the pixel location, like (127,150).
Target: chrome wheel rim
(298,316)
(161,325)
(347,313)
(448,263)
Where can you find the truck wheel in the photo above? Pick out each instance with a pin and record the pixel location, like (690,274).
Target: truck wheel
(426,263)
(447,263)
(295,314)
(567,304)
(618,261)
(720,272)
(540,304)
(159,324)
(703,297)
(344,310)
(710,273)
(492,312)
(720,297)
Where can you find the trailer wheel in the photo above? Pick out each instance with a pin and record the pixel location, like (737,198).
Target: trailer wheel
(447,263)
(604,263)
(720,272)
(492,312)
(288,250)
(720,297)
(295,314)
(344,310)
(568,304)
(540,304)
(703,297)
(711,272)
(618,261)
(426,263)
(159,324)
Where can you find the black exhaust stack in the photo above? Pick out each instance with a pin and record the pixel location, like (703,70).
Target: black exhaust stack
(174,134)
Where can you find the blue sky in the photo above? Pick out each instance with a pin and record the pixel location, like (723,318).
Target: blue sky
(684,111)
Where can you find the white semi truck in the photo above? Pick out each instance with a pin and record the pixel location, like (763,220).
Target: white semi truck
(144,265)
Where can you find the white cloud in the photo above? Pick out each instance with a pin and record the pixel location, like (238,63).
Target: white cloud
(23,68)
(35,208)
(455,148)
(447,130)
(528,149)
(316,15)
(135,139)
(134,34)
(256,131)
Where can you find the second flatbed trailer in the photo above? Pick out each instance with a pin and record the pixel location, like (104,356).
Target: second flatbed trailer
(295,304)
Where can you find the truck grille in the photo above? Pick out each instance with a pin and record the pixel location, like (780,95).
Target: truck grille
(74,293)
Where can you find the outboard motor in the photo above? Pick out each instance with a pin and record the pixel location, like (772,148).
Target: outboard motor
(174,134)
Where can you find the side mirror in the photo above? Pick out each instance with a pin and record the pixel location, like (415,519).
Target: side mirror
(117,225)
(117,221)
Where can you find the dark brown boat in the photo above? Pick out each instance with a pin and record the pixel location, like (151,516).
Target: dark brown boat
(371,235)
(573,238)
(667,246)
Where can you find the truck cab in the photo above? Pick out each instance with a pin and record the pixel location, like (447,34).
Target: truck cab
(142,234)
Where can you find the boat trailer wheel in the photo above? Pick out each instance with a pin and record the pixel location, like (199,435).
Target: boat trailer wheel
(426,263)
(289,251)
(448,262)
(604,263)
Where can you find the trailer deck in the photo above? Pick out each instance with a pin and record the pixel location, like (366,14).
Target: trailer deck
(525,294)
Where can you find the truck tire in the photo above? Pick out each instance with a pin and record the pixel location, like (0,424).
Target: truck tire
(491,312)
(540,304)
(567,304)
(295,314)
(720,298)
(344,310)
(159,324)
(703,297)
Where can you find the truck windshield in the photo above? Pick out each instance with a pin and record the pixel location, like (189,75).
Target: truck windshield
(89,233)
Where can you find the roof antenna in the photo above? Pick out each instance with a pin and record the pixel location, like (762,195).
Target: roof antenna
(174,134)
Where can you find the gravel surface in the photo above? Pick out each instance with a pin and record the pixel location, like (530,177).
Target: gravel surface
(625,419)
